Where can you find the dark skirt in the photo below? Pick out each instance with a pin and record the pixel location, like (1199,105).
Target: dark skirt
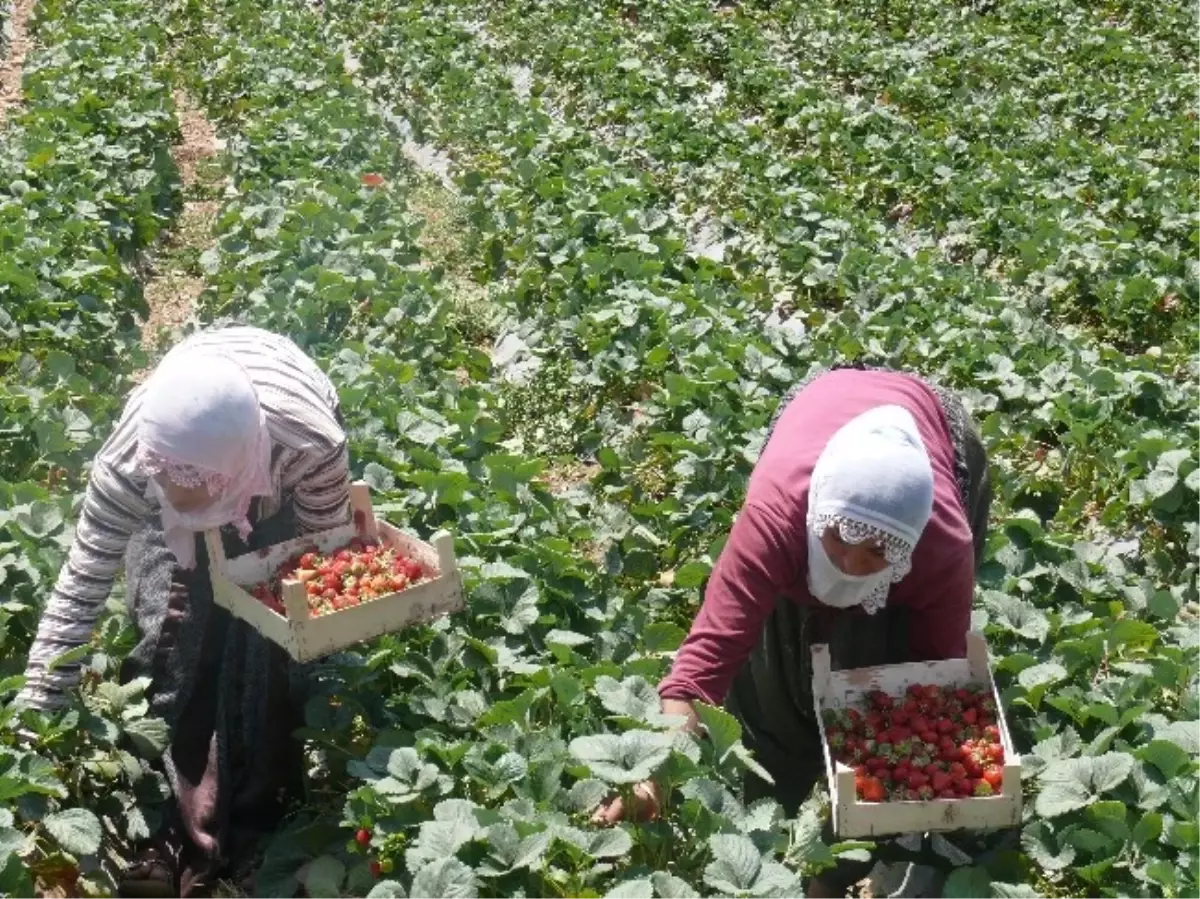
(772,693)
(231,699)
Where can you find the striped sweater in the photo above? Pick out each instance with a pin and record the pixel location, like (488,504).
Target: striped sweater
(309,465)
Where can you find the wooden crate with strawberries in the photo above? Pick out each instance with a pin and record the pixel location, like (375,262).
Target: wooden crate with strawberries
(323,592)
(916,747)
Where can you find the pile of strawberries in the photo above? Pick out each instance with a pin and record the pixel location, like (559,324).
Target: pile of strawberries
(932,743)
(359,572)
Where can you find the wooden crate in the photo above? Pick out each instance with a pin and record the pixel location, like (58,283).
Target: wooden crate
(853,818)
(306,637)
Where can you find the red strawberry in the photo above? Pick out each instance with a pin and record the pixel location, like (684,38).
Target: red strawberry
(363,837)
(951,753)
(993,776)
(880,699)
(873,790)
(947,794)
(970,716)
(917,780)
(941,781)
(945,727)
(957,770)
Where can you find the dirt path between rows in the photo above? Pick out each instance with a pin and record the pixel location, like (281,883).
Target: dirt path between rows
(173,279)
(13,65)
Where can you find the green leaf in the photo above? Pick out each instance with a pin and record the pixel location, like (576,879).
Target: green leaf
(150,735)
(663,636)
(1073,783)
(1148,828)
(692,574)
(1184,734)
(668,886)
(631,889)
(387,889)
(735,865)
(1039,842)
(1066,786)
(631,757)
(633,698)
(614,843)
(1087,840)
(447,878)
(585,795)
(721,727)
(70,657)
(1014,614)
(76,829)
(968,882)
(1163,873)
(1168,758)
(38,519)
(324,875)
(1110,770)
(1041,675)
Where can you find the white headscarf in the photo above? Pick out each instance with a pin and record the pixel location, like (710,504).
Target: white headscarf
(201,424)
(873,481)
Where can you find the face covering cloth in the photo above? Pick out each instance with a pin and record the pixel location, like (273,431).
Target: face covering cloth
(872,482)
(201,425)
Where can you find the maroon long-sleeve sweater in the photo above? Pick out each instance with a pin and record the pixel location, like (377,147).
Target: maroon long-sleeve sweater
(766,554)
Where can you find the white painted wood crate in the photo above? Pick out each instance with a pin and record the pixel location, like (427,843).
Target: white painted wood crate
(854,818)
(307,637)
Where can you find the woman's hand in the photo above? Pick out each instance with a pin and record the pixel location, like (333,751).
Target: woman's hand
(647,798)
(647,795)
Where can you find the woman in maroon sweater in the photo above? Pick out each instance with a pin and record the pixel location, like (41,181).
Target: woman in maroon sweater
(863,524)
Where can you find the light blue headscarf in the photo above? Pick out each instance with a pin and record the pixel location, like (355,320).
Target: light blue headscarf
(873,481)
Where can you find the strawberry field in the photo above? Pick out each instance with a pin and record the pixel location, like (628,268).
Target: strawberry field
(562,261)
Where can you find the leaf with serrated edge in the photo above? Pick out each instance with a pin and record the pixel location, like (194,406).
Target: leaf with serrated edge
(631,889)
(735,865)
(668,886)
(447,878)
(77,830)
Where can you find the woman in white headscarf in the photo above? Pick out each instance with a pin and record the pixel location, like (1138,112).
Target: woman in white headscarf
(863,525)
(236,430)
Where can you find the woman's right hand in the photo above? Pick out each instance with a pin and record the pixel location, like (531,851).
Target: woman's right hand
(647,799)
